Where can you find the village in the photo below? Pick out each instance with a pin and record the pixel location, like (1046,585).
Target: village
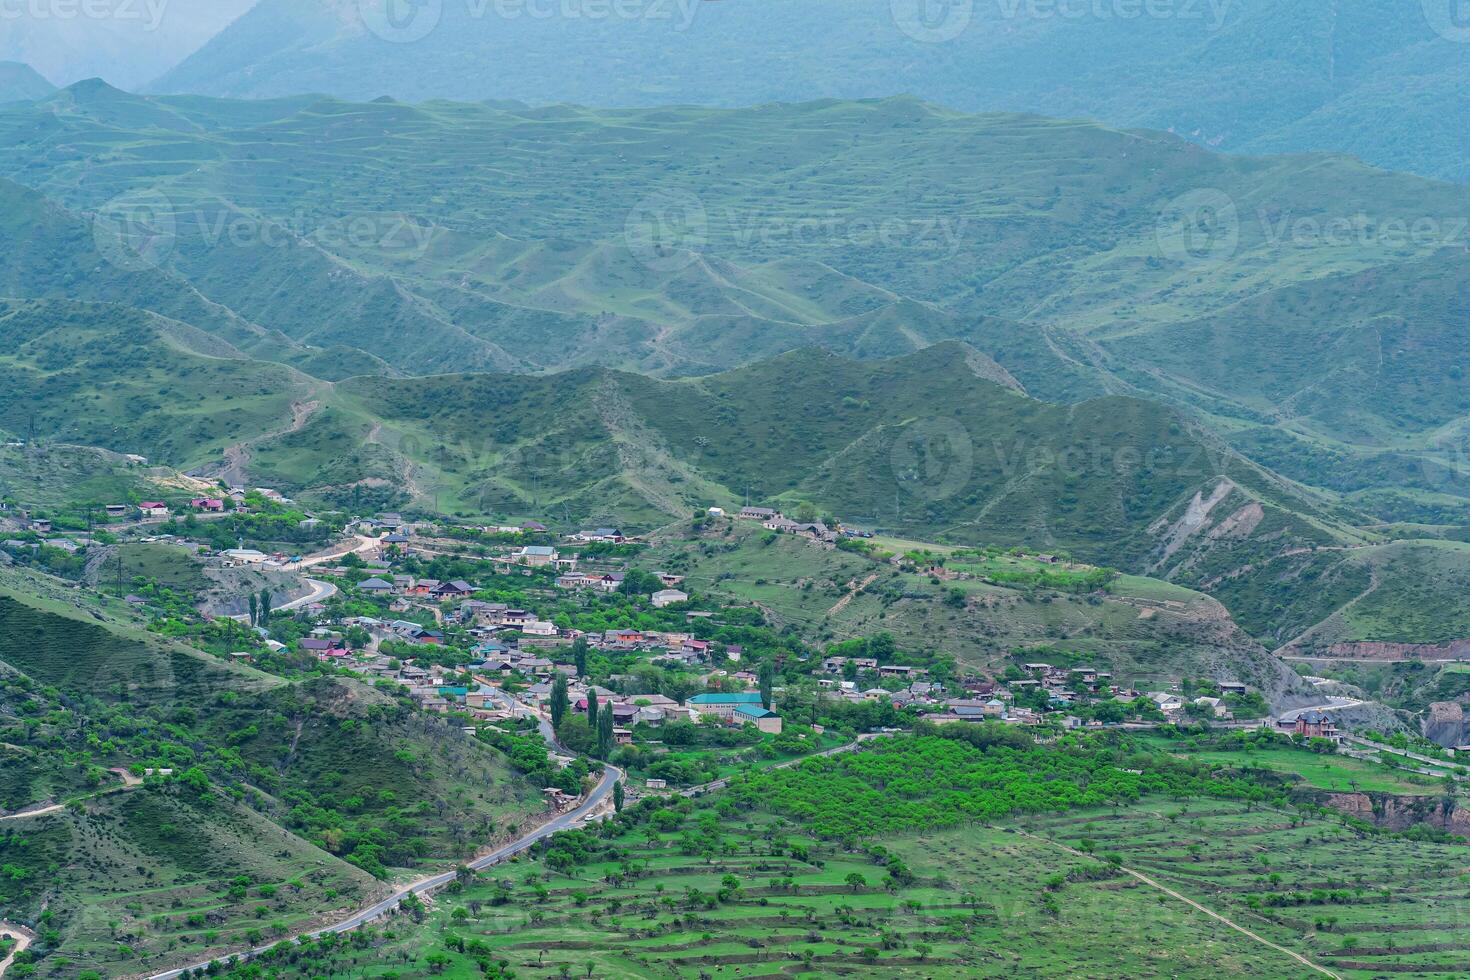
(526,620)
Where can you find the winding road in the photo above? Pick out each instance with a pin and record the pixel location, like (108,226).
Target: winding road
(611,776)
(23,939)
(320,591)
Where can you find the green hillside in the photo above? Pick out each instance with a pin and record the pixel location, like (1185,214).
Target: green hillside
(282,801)
(1143,631)
(1313,325)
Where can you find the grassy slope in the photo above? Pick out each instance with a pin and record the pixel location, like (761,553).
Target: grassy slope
(1143,630)
(320,743)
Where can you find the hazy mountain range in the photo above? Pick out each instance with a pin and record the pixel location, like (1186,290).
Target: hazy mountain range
(1382,79)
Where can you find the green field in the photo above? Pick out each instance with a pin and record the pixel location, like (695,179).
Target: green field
(736,884)
(1335,773)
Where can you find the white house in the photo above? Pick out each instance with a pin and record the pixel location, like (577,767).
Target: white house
(669,597)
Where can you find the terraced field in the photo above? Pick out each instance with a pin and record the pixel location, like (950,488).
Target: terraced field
(770,903)
(1361,906)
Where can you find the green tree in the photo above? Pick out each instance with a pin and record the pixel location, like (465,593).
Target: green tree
(254,610)
(605,734)
(265,607)
(560,703)
(618,796)
(767,680)
(579,655)
(592,709)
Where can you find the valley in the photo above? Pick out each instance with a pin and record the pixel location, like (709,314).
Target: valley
(745,524)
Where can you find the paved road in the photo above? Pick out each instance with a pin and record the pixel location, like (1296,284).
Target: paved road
(320,591)
(1333,704)
(610,777)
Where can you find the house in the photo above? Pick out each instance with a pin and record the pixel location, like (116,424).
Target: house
(115,511)
(764,719)
(1216,706)
(536,556)
(516,618)
(153,508)
(452,590)
(669,597)
(208,504)
(723,705)
(716,512)
(1232,687)
(1317,724)
(1167,703)
(669,581)
(539,628)
(375,586)
(533,526)
(761,514)
(605,535)
(622,736)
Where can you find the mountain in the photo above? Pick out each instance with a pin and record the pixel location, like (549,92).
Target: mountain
(22,83)
(295,798)
(1380,79)
(1076,257)
(128,43)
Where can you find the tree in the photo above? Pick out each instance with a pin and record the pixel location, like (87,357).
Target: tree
(592,709)
(560,703)
(265,607)
(856,881)
(618,796)
(254,610)
(767,679)
(605,734)
(579,655)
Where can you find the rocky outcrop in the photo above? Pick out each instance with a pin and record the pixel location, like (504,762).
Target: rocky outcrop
(1398,813)
(1387,652)
(1446,724)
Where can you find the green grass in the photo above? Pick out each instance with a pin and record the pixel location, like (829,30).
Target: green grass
(1335,773)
